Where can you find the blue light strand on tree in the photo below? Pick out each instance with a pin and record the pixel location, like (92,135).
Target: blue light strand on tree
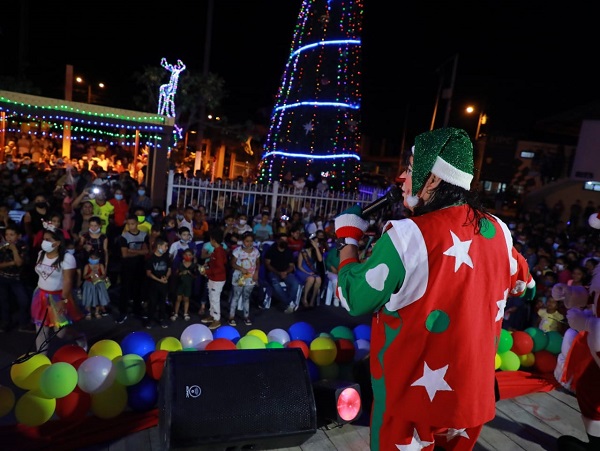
(315,123)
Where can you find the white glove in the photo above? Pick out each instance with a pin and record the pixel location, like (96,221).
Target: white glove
(578,319)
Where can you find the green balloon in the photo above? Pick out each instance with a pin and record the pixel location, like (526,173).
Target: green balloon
(342,332)
(505,342)
(509,361)
(540,338)
(58,380)
(274,345)
(130,369)
(554,342)
(250,342)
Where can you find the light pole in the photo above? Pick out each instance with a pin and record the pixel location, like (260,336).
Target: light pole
(81,81)
(479,143)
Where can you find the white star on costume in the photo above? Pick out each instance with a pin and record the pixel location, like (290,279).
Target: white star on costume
(452,433)
(416,444)
(308,127)
(433,380)
(377,276)
(459,250)
(501,306)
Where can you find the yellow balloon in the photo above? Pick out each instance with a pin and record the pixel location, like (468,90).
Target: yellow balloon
(109,403)
(27,374)
(34,409)
(169,344)
(527,360)
(323,351)
(498,361)
(106,348)
(7,400)
(259,334)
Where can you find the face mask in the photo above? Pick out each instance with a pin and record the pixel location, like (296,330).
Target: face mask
(96,230)
(47,246)
(141,192)
(319,224)
(242,222)
(560,267)
(29,180)
(26,201)
(94,261)
(39,204)
(187,258)
(71,251)
(154,214)
(559,254)
(183,241)
(371,221)
(179,217)
(141,219)
(282,224)
(119,196)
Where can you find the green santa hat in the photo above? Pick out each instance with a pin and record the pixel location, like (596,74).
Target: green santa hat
(445,152)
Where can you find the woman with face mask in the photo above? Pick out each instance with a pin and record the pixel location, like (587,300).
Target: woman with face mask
(53,307)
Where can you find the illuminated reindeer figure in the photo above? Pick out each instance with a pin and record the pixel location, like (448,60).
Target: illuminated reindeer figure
(166,101)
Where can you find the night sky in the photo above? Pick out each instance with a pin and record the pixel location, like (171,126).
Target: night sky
(523,61)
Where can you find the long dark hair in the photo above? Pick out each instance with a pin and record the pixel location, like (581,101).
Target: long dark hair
(446,195)
(57,235)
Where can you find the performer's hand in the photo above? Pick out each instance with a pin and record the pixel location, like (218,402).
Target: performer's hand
(350,224)
(577,319)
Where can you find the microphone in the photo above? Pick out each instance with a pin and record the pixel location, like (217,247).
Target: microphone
(393,195)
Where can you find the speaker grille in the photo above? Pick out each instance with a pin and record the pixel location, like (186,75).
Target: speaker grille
(236,397)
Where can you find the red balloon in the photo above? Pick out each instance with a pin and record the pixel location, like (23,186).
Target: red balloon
(73,354)
(220,344)
(74,406)
(155,363)
(299,344)
(545,361)
(522,342)
(345,350)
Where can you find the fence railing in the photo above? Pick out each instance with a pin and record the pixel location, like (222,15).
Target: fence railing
(251,198)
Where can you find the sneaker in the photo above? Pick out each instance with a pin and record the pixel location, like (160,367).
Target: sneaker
(214,325)
(290,309)
(174,318)
(81,341)
(336,302)
(247,322)
(29,328)
(208,320)
(164,324)
(148,324)
(121,319)
(186,317)
(232,322)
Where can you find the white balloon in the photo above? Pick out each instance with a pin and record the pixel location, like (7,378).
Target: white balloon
(96,374)
(279,335)
(196,336)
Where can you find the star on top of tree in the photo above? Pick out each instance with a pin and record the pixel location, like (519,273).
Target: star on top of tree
(308,127)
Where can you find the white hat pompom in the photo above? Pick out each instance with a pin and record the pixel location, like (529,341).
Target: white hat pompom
(594,220)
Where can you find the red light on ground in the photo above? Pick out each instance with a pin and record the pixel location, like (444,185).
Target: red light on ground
(349,404)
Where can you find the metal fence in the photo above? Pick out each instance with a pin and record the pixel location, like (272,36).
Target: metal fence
(251,198)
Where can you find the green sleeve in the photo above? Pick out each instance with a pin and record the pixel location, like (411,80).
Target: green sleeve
(367,286)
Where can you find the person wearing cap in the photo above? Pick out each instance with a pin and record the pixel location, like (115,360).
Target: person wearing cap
(437,284)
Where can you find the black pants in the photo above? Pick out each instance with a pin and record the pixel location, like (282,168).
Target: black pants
(133,278)
(157,300)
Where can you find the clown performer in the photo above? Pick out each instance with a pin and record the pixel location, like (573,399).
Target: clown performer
(437,284)
(583,360)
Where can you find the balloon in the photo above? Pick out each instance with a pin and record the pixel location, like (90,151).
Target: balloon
(343,332)
(96,374)
(363,332)
(130,369)
(509,361)
(229,332)
(279,336)
(527,360)
(155,363)
(505,342)
(345,350)
(554,342)
(221,344)
(250,342)
(140,343)
(260,334)
(325,334)
(108,348)
(274,345)
(301,345)
(27,374)
(302,331)
(169,344)
(323,351)
(73,354)
(497,362)
(7,400)
(74,406)
(329,372)
(540,339)
(313,370)
(195,336)
(109,403)
(522,342)
(34,409)
(363,349)
(58,380)
(545,361)
(143,395)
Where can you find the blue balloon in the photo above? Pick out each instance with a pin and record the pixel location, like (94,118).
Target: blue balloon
(302,331)
(140,343)
(362,332)
(228,332)
(143,396)
(313,370)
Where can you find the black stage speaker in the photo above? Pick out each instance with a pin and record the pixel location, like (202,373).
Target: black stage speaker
(236,399)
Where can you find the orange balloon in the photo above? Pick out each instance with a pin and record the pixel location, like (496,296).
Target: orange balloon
(155,363)
(301,345)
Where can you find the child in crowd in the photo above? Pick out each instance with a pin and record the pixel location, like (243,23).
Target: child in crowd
(185,274)
(95,287)
(245,263)
(242,225)
(550,319)
(158,270)
(216,272)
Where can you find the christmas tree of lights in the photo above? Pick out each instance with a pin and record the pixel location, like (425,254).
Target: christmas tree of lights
(314,128)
